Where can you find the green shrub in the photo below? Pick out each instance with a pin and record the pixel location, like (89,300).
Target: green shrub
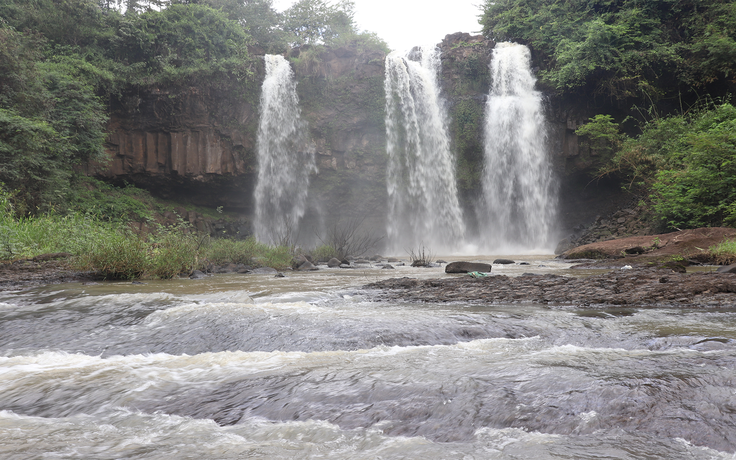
(324,253)
(221,251)
(724,252)
(698,187)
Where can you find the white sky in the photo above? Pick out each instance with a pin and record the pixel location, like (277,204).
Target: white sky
(407,23)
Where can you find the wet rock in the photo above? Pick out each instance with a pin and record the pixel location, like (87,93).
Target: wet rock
(332,263)
(503,261)
(279,275)
(307,266)
(392,259)
(564,245)
(635,287)
(727,269)
(346,266)
(440,261)
(465,267)
(196,274)
(387,267)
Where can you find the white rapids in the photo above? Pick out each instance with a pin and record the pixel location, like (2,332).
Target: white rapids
(309,366)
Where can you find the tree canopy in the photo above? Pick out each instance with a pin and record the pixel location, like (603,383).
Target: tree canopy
(622,48)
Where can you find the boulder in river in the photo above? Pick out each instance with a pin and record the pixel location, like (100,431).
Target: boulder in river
(503,261)
(727,269)
(466,267)
(307,266)
(332,263)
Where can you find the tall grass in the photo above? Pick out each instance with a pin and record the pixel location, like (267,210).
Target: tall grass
(724,252)
(113,251)
(247,251)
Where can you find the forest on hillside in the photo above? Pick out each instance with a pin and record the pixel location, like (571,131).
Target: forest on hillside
(65,63)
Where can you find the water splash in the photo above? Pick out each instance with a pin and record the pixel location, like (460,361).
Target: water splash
(422,191)
(518,206)
(285,157)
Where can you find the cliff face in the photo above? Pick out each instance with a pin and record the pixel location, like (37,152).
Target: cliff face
(186,143)
(200,145)
(342,98)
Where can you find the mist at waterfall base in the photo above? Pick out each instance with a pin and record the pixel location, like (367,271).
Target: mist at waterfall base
(514,214)
(285,157)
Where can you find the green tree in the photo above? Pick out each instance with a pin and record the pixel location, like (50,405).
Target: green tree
(699,187)
(315,22)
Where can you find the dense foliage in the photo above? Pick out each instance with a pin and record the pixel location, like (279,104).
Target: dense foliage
(65,64)
(685,163)
(622,48)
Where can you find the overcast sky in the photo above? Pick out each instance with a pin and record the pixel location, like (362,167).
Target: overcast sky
(407,23)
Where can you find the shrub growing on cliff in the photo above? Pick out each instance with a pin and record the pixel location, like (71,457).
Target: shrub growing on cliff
(698,188)
(687,164)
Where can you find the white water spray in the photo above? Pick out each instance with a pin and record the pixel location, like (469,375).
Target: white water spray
(285,158)
(517,209)
(422,191)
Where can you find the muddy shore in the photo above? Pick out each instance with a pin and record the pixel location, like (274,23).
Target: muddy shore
(620,287)
(26,273)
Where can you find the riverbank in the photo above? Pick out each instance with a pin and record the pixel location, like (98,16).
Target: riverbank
(635,287)
(38,271)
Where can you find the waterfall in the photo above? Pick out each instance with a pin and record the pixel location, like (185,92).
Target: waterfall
(422,191)
(285,158)
(517,209)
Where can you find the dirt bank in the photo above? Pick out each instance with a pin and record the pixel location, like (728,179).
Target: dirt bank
(634,287)
(38,271)
(690,244)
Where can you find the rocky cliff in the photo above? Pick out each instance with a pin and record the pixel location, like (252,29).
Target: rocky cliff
(199,144)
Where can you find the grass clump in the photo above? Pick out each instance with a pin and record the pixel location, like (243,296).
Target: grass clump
(223,251)
(324,253)
(724,252)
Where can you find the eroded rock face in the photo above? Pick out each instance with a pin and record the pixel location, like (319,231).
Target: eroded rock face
(200,145)
(184,142)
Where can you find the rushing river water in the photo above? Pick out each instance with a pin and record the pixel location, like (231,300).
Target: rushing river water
(306,366)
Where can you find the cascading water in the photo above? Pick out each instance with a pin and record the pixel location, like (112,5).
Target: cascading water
(285,158)
(422,191)
(517,209)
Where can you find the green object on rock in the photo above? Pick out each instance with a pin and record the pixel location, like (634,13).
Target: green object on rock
(478,274)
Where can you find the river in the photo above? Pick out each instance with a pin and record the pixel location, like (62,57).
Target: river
(308,366)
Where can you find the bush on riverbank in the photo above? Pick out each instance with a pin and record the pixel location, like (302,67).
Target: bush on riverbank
(724,252)
(113,251)
(248,251)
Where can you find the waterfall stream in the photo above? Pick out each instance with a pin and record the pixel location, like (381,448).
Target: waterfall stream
(285,158)
(517,209)
(423,203)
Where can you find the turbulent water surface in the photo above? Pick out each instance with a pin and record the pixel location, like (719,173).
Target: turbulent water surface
(251,366)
